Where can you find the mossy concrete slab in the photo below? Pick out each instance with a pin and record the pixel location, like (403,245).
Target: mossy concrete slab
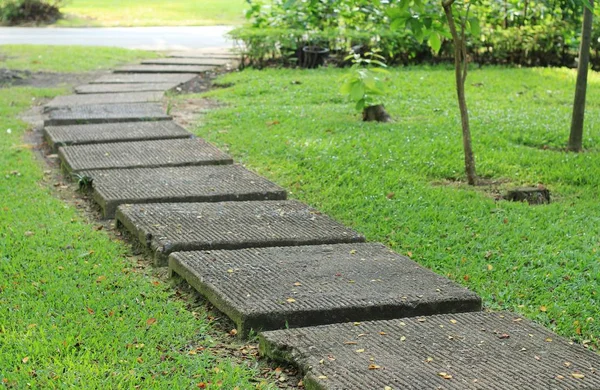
(164,69)
(176,227)
(142,154)
(181,184)
(276,288)
(57,136)
(103,98)
(203,61)
(127,87)
(106,113)
(467,351)
(208,53)
(145,78)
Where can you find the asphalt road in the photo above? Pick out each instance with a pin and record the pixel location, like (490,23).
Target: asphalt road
(148,38)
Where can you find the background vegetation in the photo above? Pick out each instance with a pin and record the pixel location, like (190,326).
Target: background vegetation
(521,32)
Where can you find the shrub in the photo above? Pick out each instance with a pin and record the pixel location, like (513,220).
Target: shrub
(29,11)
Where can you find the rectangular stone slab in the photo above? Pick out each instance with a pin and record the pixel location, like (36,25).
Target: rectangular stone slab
(106,113)
(163,69)
(145,78)
(484,351)
(290,287)
(176,227)
(206,61)
(129,87)
(203,54)
(142,154)
(57,136)
(181,184)
(103,98)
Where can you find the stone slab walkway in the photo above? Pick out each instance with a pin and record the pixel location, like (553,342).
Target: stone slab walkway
(496,351)
(203,61)
(145,78)
(175,227)
(104,133)
(269,263)
(106,113)
(103,98)
(277,288)
(163,69)
(142,154)
(124,87)
(182,184)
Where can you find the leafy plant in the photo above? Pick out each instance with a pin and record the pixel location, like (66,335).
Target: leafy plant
(24,11)
(364,82)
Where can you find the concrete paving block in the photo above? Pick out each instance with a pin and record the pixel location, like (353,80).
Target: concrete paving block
(181,184)
(106,113)
(163,69)
(57,136)
(103,98)
(205,61)
(275,288)
(129,87)
(176,227)
(468,351)
(142,154)
(225,54)
(145,78)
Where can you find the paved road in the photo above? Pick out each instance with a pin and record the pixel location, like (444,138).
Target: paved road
(148,38)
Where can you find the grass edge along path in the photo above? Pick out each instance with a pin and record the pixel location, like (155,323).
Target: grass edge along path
(398,183)
(75,309)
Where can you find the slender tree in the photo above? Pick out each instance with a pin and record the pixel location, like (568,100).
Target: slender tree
(576,135)
(461,67)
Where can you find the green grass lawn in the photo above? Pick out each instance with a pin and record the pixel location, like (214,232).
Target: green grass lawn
(76,311)
(152,12)
(401,183)
(67,59)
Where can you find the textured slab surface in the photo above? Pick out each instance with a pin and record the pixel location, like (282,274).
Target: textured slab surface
(176,227)
(126,87)
(203,54)
(182,184)
(106,113)
(454,352)
(103,98)
(275,288)
(163,69)
(206,61)
(112,132)
(142,154)
(144,78)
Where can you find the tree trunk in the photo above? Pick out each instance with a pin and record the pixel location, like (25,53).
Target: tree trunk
(576,136)
(376,113)
(460,71)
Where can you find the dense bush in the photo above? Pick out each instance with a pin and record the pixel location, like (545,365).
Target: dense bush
(519,32)
(29,11)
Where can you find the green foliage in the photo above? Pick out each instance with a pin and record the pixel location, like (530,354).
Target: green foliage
(29,11)
(363,83)
(400,183)
(520,32)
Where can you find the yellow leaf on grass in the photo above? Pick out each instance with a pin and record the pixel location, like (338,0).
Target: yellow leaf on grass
(150,321)
(101,278)
(490,267)
(543,308)
(25,359)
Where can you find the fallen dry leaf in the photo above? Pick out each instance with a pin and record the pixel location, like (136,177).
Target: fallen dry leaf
(100,279)
(577,375)
(360,350)
(290,300)
(25,359)
(403,338)
(445,375)
(350,342)
(233,332)
(453,321)
(297,284)
(150,321)
(89,310)
(543,308)
(322,377)
(374,367)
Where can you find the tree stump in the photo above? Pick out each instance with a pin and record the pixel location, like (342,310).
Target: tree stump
(531,195)
(376,113)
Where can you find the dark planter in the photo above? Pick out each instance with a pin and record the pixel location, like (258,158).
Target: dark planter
(313,56)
